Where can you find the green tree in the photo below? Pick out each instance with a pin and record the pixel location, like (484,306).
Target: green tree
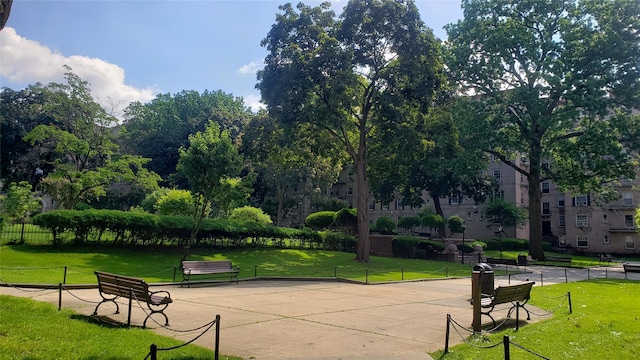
(231,193)
(350,77)
(455,223)
(20,203)
(408,222)
(157,129)
(431,219)
(504,213)
(546,77)
(210,158)
(385,225)
(79,148)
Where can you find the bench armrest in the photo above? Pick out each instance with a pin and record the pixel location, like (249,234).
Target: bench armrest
(168,296)
(236,267)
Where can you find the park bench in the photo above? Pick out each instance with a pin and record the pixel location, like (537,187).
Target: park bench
(630,267)
(518,295)
(202,267)
(112,287)
(557,259)
(496,261)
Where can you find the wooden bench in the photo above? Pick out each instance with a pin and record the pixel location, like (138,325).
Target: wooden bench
(557,259)
(518,295)
(112,287)
(190,268)
(630,267)
(495,261)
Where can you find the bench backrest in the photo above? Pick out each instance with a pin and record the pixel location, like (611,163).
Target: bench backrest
(509,293)
(207,265)
(631,267)
(122,286)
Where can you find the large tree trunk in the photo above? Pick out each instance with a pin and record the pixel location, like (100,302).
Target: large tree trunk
(364,246)
(442,230)
(535,206)
(280,213)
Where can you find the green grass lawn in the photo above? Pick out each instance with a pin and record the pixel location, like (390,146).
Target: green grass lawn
(35,330)
(605,324)
(45,264)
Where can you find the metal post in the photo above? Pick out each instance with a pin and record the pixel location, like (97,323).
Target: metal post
(255,271)
(402,270)
(175,269)
(464,227)
(59,296)
(217,337)
(153,350)
(509,281)
(366,278)
(446,338)
(541,281)
(569,297)
(446,271)
(517,315)
(505,341)
(64,278)
(606,273)
(335,271)
(130,301)
(500,239)
(476,298)
(565,276)
(588,274)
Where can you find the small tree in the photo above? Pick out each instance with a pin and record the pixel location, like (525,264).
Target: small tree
(505,213)
(455,224)
(175,202)
(429,218)
(408,222)
(385,225)
(20,203)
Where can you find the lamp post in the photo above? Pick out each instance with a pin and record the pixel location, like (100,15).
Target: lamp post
(500,239)
(464,227)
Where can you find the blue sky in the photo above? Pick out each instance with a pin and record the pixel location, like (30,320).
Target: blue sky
(132,50)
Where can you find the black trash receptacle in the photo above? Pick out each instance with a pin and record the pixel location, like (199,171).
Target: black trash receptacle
(486,278)
(522,260)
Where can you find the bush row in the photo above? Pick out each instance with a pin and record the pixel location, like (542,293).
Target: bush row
(125,227)
(414,247)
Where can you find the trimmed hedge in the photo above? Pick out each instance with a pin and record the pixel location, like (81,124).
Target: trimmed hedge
(320,220)
(416,248)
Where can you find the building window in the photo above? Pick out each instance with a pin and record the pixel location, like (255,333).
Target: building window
(627,199)
(606,239)
(581,221)
(582,241)
(385,206)
(628,221)
(561,221)
(494,158)
(545,165)
(581,200)
(350,176)
(350,204)
(521,198)
(350,191)
(521,178)
(545,187)
(605,218)
(469,215)
(498,194)
(453,200)
(546,210)
(497,175)
(561,202)
(629,242)
(372,204)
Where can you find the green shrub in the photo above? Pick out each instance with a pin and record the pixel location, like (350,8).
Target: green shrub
(338,241)
(408,222)
(250,214)
(175,202)
(320,220)
(508,244)
(406,247)
(385,225)
(347,220)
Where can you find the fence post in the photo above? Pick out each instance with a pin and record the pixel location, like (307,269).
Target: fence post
(175,269)
(255,271)
(476,298)
(517,315)
(505,341)
(64,278)
(130,301)
(588,274)
(366,278)
(509,277)
(217,337)
(335,272)
(569,297)
(566,280)
(446,339)
(541,281)
(446,271)
(402,270)
(59,296)
(153,350)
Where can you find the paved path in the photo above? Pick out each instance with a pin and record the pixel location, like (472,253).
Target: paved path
(319,320)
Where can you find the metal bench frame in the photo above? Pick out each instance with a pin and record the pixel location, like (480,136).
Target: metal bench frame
(208,267)
(518,295)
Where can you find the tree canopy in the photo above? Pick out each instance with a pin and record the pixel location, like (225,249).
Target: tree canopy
(364,72)
(546,77)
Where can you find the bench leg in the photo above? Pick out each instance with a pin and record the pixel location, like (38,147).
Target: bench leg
(95,311)
(166,319)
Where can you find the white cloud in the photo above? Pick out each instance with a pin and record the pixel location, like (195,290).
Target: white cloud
(250,68)
(253,101)
(27,61)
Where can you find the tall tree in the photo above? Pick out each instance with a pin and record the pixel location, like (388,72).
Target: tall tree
(349,75)
(157,129)
(205,163)
(546,76)
(78,146)
(432,157)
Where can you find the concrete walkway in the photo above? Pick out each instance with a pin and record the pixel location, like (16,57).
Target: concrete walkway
(317,320)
